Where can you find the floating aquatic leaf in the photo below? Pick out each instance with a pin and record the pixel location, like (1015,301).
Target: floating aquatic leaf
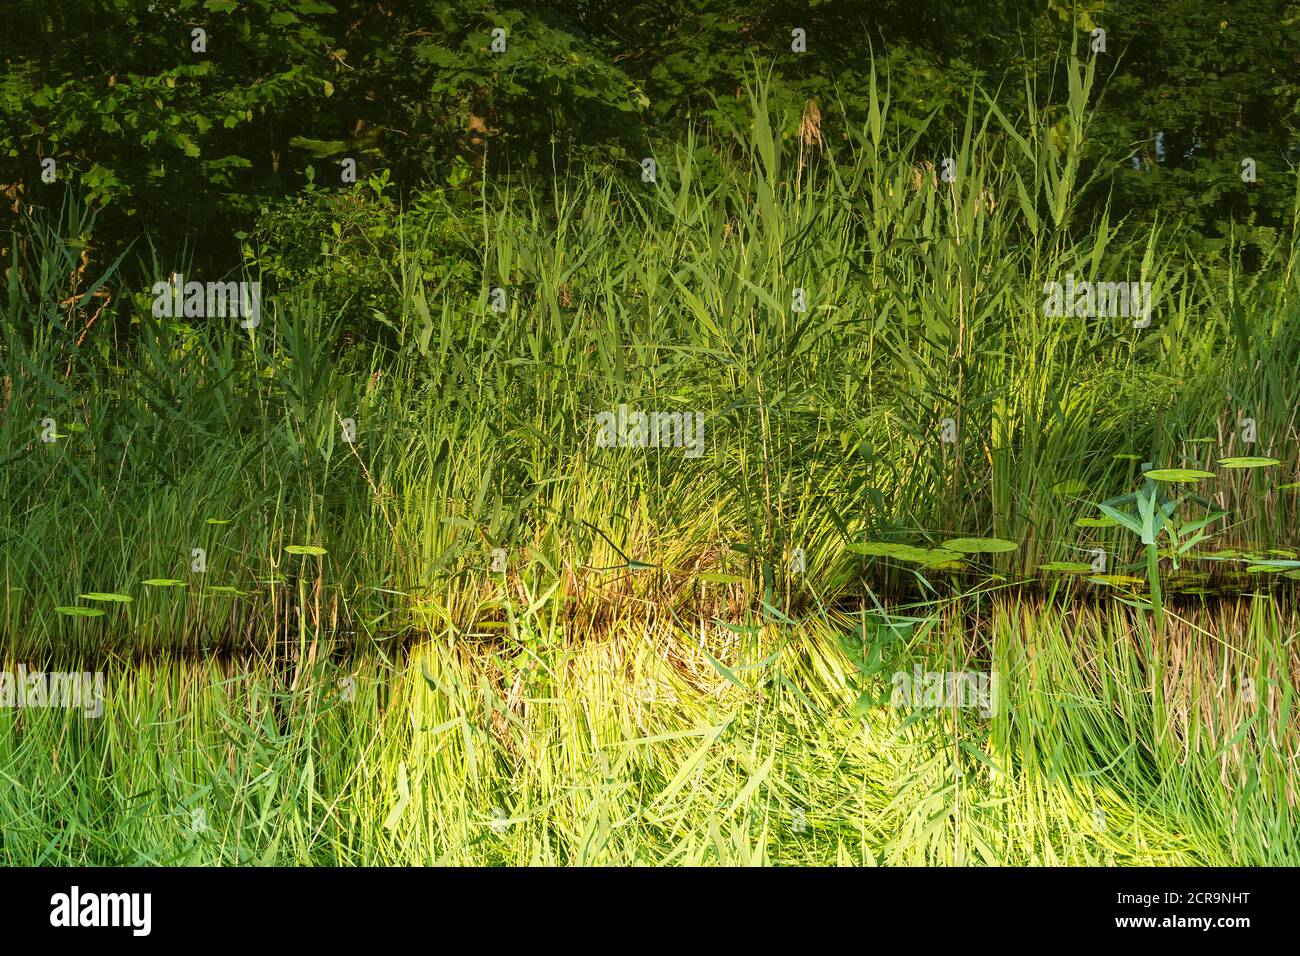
(304,549)
(1066,567)
(881,549)
(1178,474)
(946,565)
(1116,580)
(1125,456)
(1289,486)
(905,552)
(1261,563)
(934,557)
(1103,522)
(224,589)
(1071,486)
(1224,555)
(164,583)
(1248,462)
(107,596)
(81,611)
(981,545)
(218,521)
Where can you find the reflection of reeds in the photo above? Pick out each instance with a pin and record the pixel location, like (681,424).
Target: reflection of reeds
(651,744)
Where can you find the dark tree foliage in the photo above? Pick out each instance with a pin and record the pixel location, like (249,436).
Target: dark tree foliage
(192,147)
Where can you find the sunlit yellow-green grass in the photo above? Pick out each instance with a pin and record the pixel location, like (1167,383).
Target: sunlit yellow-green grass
(654,742)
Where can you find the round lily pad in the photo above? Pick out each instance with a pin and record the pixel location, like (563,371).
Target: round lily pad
(1248,462)
(164,583)
(304,549)
(1071,486)
(1116,580)
(1106,521)
(1221,555)
(905,552)
(1178,474)
(980,545)
(81,611)
(107,596)
(1066,567)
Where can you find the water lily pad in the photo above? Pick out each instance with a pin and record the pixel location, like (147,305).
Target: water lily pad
(1106,521)
(218,521)
(81,611)
(1116,580)
(224,589)
(1071,486)
(107,596)
(981,545)
(1273,563)
(881,549)
(905,552)
(1178,474)
(1066,567)
(1289,486)
(304,549)
(165,583)
(1126,456)
(1248,462)
(1225,554)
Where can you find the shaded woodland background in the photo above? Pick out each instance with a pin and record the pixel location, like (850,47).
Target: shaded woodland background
(239,145)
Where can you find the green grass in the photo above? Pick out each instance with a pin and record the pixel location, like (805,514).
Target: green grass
(477,431)
(617,747)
